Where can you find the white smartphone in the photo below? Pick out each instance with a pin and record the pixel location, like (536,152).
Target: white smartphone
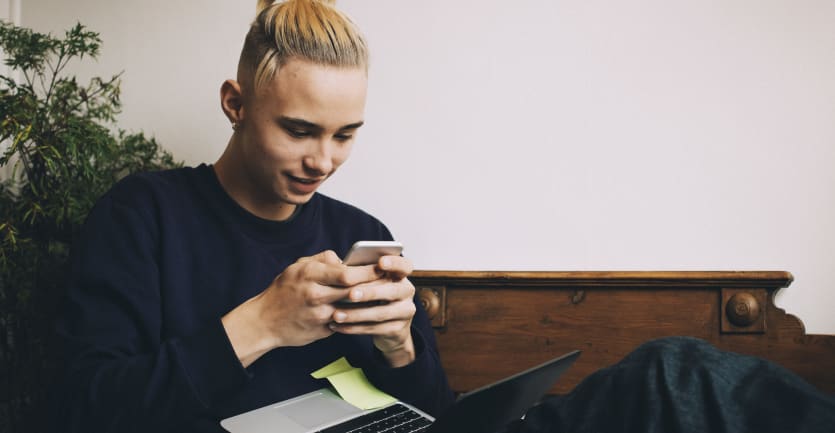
(369,252)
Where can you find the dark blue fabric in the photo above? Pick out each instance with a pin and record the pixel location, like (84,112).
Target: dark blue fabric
(681,384)
(162,257)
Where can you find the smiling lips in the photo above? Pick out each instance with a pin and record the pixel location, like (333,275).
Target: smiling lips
(303,185)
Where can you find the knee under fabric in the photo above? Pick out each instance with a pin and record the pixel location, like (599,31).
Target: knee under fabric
(683,384)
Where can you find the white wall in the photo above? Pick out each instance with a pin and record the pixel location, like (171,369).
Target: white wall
(9,12)
(545,135)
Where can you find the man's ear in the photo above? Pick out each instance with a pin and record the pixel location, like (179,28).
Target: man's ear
(232,102)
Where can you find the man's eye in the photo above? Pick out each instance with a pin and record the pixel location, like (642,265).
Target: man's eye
(343,137)
(298,133)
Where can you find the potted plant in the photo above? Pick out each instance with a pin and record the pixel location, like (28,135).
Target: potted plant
(60,151)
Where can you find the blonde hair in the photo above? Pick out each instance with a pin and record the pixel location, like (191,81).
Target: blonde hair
(312,30)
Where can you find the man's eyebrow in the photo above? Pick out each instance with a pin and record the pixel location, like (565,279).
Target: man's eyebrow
(298,123)
(301,123)
(352,125)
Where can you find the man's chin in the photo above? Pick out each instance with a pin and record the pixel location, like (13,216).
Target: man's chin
(299,199)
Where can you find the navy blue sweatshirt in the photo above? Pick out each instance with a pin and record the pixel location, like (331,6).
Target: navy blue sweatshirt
(162,257)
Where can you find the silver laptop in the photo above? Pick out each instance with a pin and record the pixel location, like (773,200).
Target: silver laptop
(485,410)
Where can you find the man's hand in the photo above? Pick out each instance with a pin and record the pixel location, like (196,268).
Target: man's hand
(389,323)
(297,308)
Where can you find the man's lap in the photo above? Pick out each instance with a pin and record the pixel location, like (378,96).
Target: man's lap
(682,384)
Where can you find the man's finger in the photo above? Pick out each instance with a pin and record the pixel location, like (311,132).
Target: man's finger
(403,310)
(372,328)
(327,256)
(397,267)
(338,275)
(383,290)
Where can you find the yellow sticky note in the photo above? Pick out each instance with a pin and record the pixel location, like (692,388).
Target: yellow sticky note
(352,385)
(338,366)
(355,388)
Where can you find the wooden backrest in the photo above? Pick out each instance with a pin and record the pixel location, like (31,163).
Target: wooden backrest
(492,324)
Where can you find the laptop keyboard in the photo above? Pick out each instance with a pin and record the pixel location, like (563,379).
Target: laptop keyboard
(393,419)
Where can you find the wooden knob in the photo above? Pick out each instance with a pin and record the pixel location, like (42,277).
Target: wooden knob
(430,301)
(742,309)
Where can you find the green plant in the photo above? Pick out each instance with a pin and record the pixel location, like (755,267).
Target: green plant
(63,152)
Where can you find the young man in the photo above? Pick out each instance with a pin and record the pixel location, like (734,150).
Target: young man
(201,293)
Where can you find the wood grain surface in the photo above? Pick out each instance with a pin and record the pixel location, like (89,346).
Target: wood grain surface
(492,324)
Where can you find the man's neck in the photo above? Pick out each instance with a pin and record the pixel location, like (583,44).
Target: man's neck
(243,193)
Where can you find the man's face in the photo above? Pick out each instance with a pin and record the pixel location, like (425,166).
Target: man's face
(298,129)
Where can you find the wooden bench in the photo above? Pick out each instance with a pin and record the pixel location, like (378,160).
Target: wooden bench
(492,324)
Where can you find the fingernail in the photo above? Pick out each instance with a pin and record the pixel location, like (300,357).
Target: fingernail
(385,262)
(340,316)
(356,295)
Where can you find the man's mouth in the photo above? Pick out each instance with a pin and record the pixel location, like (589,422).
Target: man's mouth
(304,185)
(305,180)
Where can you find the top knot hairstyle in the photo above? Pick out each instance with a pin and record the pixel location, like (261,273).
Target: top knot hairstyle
(311,30)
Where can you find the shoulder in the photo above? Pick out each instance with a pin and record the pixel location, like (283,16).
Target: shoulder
(153,180)
(152,187)
(340,208)
(341,216)
(146,194)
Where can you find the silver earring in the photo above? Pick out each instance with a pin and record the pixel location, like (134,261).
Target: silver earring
(235,126)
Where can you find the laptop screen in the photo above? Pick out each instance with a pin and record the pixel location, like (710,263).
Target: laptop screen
(491,408)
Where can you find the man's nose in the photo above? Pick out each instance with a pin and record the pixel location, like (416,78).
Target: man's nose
(320,159)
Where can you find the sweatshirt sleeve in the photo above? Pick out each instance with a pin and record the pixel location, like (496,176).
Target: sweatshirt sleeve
(422,383)
(119,374)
